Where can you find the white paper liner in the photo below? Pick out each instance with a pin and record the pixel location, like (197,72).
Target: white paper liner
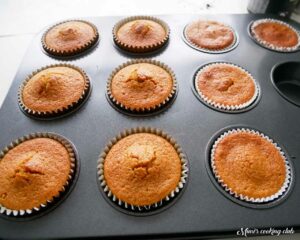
(75,51)
(240,196)
(141,109)
(140,49)
(66,144)
(174,193)
(269,45)
(59,111)
(207,50)
(223,106)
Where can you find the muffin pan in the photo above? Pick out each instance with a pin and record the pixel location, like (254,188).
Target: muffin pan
(202,210)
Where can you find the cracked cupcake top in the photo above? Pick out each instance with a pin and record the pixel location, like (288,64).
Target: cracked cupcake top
(53,88)
(70,36)
(141,33)
(142,169)
(225,84)
(141,86)
(32,173)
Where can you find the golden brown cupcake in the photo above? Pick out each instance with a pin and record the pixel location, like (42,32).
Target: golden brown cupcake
(141,34)
(250,165)
(210,35)
(141,85)
(275,34)
(226,86)
(53,90)
(33,172)
(142,169)
(70,38)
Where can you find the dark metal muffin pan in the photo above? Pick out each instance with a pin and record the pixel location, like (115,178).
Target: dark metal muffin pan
(202,210)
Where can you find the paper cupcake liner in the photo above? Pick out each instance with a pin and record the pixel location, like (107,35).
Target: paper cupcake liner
(75,51)
(207,50)
(269,45)
(141,110)
(60,111)
(140,49)
(268,199)
(71,151)
(147,208)
(223,106)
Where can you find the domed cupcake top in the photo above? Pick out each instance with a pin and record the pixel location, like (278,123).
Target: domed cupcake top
(70,37)
(142,169)
(53,88)
(32,173)
(141,34)
(140,86)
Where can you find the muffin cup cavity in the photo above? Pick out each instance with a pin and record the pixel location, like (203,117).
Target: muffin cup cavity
(147,209)
(232,46)
(267,44)
(71,52)
(73,169)
(140,49)
(264,200)
(142,111)
(223,107)
(61,111)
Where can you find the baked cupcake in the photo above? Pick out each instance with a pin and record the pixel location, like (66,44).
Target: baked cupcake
(275,34)
(142,168)
(226,86)
(141,85)
(141,34)
(33,172)
(250,165)
(53,90)
(70,38)
(209,35)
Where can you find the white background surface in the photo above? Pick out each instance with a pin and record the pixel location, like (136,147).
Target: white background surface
(20,20)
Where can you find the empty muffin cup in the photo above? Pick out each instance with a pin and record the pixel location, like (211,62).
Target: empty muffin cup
(286,80)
